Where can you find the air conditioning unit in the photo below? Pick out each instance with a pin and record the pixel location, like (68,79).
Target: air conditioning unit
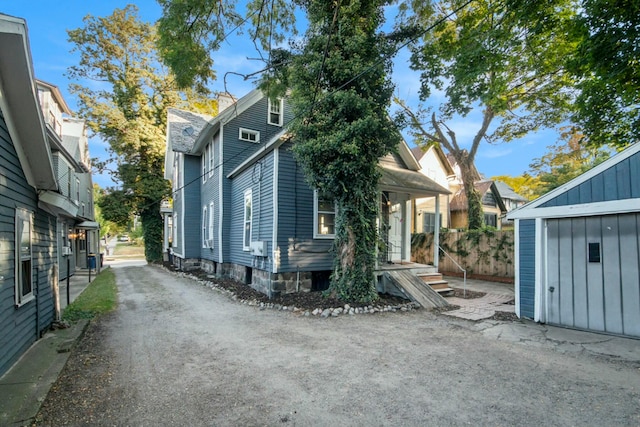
(258,248)
(210,243)
(66,250)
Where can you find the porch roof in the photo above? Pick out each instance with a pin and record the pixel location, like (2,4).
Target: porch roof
(408,181)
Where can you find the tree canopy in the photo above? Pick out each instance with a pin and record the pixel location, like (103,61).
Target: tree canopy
(483,55)
(123,95)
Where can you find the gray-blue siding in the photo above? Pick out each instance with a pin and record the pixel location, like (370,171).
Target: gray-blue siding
(259,179)
(191,217)
(210,193)
(621,181)
(235,152)
(527,268)
(298,249)
(18,324)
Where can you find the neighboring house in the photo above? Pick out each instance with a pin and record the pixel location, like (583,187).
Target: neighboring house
(28,231)
(242,208)
(31,201)
(77,234)
(577,255)
(435,165)
(492,206)
(511,200)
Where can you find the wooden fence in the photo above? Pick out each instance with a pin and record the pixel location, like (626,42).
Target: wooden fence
(481,253)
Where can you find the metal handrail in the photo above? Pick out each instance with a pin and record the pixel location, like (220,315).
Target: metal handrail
(464,272)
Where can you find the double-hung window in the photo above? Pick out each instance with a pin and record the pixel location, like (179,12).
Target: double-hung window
(205,222)
(248,217)
(211,159)
(205,163)
(324,218)
(210,234)
(275,112)
(23,256)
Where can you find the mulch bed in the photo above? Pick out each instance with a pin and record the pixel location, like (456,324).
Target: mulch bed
(301,300)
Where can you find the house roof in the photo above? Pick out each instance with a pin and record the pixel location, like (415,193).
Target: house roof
(409,181)
(459,200)
(419,153)
(21,106)
(535,208)
(57,95)
(507,192)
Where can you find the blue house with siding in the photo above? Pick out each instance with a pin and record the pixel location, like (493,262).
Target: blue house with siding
(28,265)
(577,256)
(242,208)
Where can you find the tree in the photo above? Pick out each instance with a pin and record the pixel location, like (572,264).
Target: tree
(607,67)
(340,94)
(124,101)
(483,55)
(106,226)
(565,160)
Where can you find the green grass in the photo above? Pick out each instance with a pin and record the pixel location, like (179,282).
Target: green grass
(128,250)
(99,297)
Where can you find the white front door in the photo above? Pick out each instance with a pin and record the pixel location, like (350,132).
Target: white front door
(396,215)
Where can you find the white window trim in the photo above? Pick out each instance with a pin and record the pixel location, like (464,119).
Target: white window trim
(211,159)
(317,235)
(205,223)
(205,163)
(23,215)
(280,113)
(247,196)
(250,131)
(211,230)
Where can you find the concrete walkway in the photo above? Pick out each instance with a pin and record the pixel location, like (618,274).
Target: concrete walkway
(499,297)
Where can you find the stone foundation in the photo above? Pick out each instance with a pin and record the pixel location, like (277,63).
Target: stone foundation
(186,264)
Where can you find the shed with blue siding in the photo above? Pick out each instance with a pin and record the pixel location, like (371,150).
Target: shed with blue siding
(578,250)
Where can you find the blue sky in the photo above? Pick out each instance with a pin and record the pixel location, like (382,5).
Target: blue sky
(48,21)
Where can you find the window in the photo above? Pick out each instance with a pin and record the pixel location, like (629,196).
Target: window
(211,162)
(249,135)
(211,225)
(23,268)
(429,222)
(69,182)
(491,220)
(77,190)
(275,112)
(174,242)
(205,163)
(489,199)
(205,221)
(248,214)
(324,218)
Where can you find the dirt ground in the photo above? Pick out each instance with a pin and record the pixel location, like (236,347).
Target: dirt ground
(179,353)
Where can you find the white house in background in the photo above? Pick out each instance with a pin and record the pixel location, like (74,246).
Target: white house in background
(510,198)
(435,165)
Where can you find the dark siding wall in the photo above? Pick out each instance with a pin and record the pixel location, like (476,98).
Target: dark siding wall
(209,193)
(236,152)
(258,178)
(527,267)
(192,222)
(18,329)
(298,248)
(619,182)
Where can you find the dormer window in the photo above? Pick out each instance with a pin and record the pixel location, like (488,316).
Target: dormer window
(275,112)
(249,135)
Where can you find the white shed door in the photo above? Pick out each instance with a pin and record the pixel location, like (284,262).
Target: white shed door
(593,273)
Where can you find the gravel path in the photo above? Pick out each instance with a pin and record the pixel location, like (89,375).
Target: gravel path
(178,353)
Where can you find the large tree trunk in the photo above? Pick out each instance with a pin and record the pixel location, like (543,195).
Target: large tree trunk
(474,202)
(355,245)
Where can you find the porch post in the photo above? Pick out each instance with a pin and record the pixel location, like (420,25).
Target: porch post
(436,233)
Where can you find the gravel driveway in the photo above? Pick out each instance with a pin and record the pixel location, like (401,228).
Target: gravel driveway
(178,353)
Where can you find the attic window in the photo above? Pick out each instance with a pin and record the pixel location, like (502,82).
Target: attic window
(249,135)
(489,200)
(275,112)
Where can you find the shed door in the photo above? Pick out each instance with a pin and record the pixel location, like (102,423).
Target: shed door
(593,273)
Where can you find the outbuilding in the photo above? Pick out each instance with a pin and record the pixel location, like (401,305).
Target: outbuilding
(577,250)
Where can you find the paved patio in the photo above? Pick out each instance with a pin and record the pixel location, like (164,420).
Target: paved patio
(499,297)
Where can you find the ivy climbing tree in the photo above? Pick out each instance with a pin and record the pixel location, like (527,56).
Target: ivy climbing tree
(340,94)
